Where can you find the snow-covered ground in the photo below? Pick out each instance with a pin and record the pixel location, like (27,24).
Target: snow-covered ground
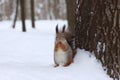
(29,56)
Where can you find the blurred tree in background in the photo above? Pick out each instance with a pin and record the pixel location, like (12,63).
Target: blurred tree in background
(16,13)
(32,13)
(32,9)
(23,15)
(44,9)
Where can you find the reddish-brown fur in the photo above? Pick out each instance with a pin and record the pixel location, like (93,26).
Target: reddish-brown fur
(60,45)
(69,62)
(62,42)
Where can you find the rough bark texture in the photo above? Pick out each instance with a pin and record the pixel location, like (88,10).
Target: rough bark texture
(98,30)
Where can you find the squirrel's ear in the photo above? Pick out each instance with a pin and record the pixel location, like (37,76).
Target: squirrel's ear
(57,29)
(63,30)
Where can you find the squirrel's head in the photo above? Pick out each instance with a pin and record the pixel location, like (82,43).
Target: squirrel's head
(60,38)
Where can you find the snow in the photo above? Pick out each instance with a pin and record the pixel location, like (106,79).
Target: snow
(29,55)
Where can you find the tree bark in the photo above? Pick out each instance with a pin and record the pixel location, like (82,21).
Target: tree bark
(70,4)
(22,2)
(16,13)
(32,14)
(98,29)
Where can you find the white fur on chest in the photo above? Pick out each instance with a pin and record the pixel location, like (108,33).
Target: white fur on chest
(60,57)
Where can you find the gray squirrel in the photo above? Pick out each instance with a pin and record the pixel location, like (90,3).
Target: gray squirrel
(63,54)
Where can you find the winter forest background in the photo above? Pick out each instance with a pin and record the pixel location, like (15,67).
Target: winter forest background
(44,9)
(94,27)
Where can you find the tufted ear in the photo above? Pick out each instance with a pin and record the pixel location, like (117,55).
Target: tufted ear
(57,31)
(63,30)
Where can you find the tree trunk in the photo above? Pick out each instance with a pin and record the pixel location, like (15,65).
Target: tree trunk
(56,9)
(70,4)
(71,14)
(16,13)
(32,13)
(22,2)
(98,29)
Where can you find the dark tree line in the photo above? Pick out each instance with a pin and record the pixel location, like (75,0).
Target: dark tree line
(23,15)
(98,30)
